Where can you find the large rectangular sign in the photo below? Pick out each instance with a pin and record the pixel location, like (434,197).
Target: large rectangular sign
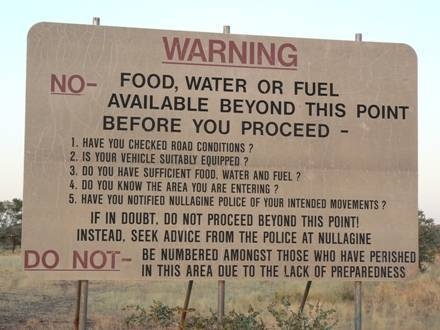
(157,154)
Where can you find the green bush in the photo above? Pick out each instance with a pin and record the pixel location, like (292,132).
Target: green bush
(315,318)
(429,240)
(231,321)
(137,316)
(160,316)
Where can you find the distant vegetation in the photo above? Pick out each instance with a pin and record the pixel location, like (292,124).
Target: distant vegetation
(429,240)
(10,224)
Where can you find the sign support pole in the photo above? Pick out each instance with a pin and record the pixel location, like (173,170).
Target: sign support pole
(221,283)
(221,300)
(78,306)
(83,309)
(358,284)
(304,298)
(358,305)
(185,304)
(83,285)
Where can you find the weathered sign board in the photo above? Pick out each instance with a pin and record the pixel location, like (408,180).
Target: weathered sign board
(156,154)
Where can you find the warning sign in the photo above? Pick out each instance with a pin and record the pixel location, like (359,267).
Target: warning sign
(157,154)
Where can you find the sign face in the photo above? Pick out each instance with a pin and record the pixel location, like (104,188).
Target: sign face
(157,154)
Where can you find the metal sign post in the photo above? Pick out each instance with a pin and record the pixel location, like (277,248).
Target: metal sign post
(80,321)
(83,308)
(186,304)
(304,299)
(358,305)
(358,284)
(221,300)
(221,283)
(78,306)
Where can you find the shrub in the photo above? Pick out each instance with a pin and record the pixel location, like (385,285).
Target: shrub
(316,318)
(159,316)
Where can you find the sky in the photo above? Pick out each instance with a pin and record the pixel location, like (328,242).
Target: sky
(416,23)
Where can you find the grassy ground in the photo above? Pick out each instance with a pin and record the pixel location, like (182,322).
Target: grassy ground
(29,304)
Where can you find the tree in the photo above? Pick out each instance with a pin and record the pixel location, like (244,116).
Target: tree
(429,239)
(10,222)
(10,213)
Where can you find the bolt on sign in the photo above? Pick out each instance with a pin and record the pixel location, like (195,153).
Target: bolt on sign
(154,154)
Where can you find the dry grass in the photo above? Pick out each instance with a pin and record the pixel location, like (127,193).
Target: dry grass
(29,304)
